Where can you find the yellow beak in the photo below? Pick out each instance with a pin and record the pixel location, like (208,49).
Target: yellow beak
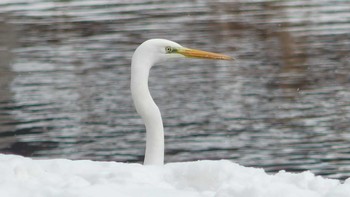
(195,53)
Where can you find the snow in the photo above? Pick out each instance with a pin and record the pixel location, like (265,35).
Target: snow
(26,177)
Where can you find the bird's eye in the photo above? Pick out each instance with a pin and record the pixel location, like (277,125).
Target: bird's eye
(168,49)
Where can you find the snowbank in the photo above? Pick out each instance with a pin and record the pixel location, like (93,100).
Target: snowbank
(24,177)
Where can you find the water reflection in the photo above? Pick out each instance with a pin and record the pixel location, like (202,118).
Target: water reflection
(7,44)
(283,105)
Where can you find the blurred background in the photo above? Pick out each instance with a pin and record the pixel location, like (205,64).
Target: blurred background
(284,104)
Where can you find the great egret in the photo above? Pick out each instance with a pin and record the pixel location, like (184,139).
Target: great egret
(145,56)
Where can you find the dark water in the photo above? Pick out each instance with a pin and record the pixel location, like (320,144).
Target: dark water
(284,104)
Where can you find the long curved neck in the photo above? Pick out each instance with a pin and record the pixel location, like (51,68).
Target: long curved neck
(148,110)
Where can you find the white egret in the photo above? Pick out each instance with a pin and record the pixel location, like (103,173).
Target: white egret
(145,56)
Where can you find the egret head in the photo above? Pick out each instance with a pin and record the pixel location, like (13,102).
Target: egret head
(146,55)
(158,50)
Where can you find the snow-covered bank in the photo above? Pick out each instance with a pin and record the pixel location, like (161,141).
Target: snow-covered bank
(24,177)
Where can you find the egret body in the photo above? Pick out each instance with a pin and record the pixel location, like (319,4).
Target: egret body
(145,56)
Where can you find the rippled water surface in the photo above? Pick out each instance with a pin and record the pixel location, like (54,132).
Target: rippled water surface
(283,104)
